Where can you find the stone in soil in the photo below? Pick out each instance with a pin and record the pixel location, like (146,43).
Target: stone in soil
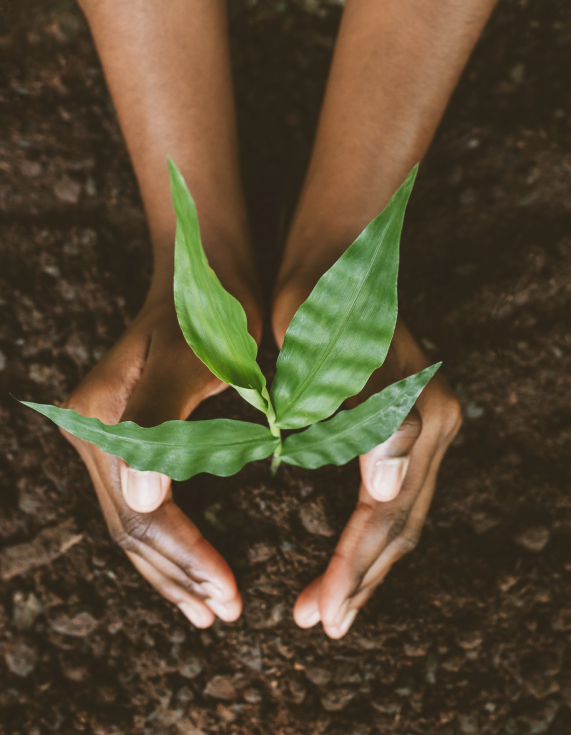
(190,668)
(253,696)
(27,607)
(21,659)
(318,676)
(78,626)
(251,657)
(313,519)
(468,724)
(47,546)
(67,190)
(533,539)
(221,687)
(337,700)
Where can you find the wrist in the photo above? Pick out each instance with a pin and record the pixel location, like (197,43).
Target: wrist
(329,218)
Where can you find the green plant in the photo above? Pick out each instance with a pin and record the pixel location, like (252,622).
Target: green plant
(337,338)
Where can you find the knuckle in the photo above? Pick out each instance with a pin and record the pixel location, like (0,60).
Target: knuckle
(412,424)
(365,508)
(408,542)
(445,418)
(137,527)
(367,515)
(120,537)
(452,418)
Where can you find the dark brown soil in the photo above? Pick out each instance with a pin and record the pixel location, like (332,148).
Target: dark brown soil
(469,634)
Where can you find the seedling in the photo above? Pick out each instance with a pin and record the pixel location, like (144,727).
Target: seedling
(336,339)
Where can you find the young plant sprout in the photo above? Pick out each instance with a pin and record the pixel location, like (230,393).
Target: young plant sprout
(336,339)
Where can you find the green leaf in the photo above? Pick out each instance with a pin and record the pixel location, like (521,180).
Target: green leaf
(342,333)
(213,322)
(179,449)
(359,430)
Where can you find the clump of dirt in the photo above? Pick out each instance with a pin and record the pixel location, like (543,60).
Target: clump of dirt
(470,633)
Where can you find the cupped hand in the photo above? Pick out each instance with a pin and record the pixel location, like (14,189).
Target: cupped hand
(397,485)
(151,376)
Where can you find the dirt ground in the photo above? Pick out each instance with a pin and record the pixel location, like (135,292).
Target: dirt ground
(469,634)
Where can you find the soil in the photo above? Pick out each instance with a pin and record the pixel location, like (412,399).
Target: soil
(469,634)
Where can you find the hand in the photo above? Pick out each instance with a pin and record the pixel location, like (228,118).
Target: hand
(398,480)
(151,376)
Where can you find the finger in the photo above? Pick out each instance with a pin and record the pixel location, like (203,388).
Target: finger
(369,531)
(362,541)
(143,491)
(306,609)
(193,564)
(383,469)
(406,540)
(166,538)
(377,536)
(171,534)
(195,610)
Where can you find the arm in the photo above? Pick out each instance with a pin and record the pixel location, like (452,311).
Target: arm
(395,66)
(167,66)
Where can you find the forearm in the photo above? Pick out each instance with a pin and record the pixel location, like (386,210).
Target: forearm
(168,71)
(395,66)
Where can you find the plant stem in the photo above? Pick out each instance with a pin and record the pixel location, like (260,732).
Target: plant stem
(275,430)
(277,458)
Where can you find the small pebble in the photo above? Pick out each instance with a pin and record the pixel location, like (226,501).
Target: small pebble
(251,657)
(77,350)
(225,713)
(190,668)
(30,169)
(260,552)
(473,411)
(313,519)
(533,539)
(21,660)
(253,696)
(220,687)
(79,626)
(27,607)
(185,695)
(67,190)
(319,677)
(337,700)
(468,724)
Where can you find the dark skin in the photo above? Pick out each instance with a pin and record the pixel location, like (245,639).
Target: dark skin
(395,65)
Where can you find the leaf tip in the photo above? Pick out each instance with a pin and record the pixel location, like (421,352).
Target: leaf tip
(408,183)
(172,167)
(29,404)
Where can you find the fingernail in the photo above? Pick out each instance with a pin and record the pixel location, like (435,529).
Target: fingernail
(388,476)
(143,490)
(348,621)
(217,608)
(312,619)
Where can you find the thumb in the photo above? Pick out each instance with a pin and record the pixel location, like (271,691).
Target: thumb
(172,384)
(383,469)
(143,491)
